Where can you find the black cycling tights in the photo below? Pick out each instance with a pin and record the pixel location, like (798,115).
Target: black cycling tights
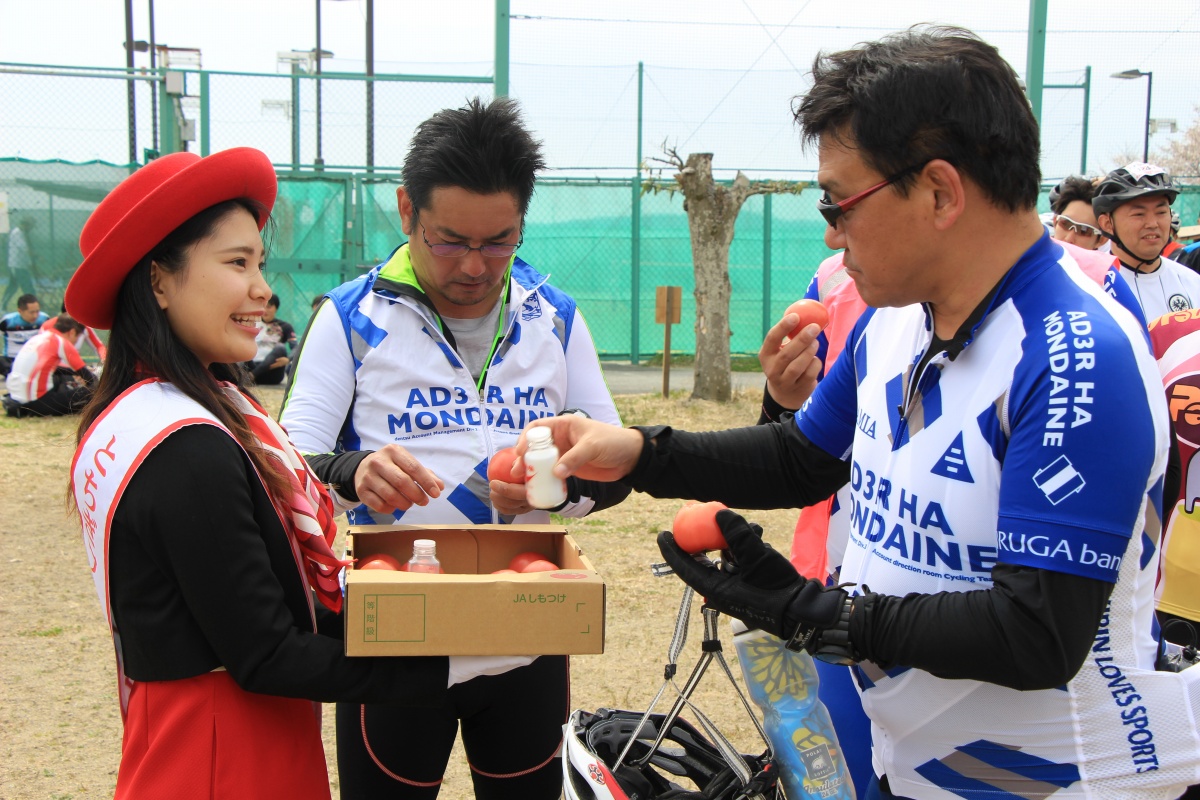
(511,729)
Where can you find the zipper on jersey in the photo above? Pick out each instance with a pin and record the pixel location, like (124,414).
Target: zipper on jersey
(917,385)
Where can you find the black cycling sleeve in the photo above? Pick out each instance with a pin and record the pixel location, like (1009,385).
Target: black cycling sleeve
(771,410)
(1032,629)
(337,470)
(763,466)
(604,495)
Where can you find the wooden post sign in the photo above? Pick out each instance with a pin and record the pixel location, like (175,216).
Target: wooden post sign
(667,300)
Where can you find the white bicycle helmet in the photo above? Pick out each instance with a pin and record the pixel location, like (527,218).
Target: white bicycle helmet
(594,742)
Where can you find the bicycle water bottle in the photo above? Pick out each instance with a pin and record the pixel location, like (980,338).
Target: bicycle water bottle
(424,557)
(783,684)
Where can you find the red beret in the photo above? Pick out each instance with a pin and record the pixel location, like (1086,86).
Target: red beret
(146,207)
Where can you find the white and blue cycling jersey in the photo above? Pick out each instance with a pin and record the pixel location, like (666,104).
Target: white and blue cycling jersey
(376,368)
(1042,443)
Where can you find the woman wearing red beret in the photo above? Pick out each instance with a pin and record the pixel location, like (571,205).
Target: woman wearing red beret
(207,535)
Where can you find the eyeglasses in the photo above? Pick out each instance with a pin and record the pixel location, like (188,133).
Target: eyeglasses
(447,250)
(833,211)
(1080,228)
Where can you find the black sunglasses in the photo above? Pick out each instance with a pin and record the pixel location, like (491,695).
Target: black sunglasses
(832,211)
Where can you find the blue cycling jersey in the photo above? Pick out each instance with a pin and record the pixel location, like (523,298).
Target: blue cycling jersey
(1004,452)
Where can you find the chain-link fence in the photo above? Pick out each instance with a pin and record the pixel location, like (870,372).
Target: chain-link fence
(334,222)
(329,228)
(595,120)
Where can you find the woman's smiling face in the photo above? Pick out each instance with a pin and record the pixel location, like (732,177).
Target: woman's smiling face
(216,302)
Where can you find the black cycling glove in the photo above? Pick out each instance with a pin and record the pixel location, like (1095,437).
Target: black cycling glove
(764,590)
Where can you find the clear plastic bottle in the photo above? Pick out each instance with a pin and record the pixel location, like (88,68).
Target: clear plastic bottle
(542,489)
(424,557)
(783,684)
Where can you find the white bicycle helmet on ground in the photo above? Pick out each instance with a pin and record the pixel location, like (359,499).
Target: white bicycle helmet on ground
(593,742)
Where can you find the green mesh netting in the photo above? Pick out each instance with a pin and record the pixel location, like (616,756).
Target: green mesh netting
(331,228)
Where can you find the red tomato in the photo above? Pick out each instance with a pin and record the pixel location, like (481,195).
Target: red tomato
(381,561)
(504,572)
(500,466)
(696,529)
(520,560)
(541,565)
(809,311)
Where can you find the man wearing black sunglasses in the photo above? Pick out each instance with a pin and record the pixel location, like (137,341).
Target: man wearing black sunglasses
(408,381)
(997,584)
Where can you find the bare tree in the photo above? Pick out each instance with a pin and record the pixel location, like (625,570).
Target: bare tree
(712,209)
(1123,157)
(1182,156)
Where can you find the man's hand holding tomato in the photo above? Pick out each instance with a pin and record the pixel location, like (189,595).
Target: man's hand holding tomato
(506,490)
(393,479)
(791,367)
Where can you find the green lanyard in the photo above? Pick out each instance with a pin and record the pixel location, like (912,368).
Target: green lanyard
(499,333)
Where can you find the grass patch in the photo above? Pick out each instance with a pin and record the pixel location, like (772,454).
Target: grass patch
(738,362)
(45,633)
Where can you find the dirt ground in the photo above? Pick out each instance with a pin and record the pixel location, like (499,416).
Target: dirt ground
(60,727)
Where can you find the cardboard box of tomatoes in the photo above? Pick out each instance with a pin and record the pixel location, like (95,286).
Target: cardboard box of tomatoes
(472,607)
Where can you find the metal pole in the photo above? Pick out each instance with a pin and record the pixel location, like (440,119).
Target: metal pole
(1087,96)
(53,241)
(500,86)
(205,127)
(668,316)
(295,116)
(360,224)
(154,69)
(370,85)
(1087,104)
(168,123)
(635,255)
(1146,139)
(131,97)
(318,162)
(766,301)
(1035,56)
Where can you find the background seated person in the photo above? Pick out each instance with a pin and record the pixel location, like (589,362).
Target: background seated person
(88,335)
(19,327)
(48,377)
(275,341)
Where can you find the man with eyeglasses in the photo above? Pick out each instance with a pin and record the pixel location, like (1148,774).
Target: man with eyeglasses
(1073,221)
(996,597)
(407,381)
(1133,208)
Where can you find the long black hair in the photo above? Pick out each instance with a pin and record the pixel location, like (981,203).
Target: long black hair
(142,345)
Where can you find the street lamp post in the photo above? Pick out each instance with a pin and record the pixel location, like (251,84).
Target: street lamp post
(1134,74)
